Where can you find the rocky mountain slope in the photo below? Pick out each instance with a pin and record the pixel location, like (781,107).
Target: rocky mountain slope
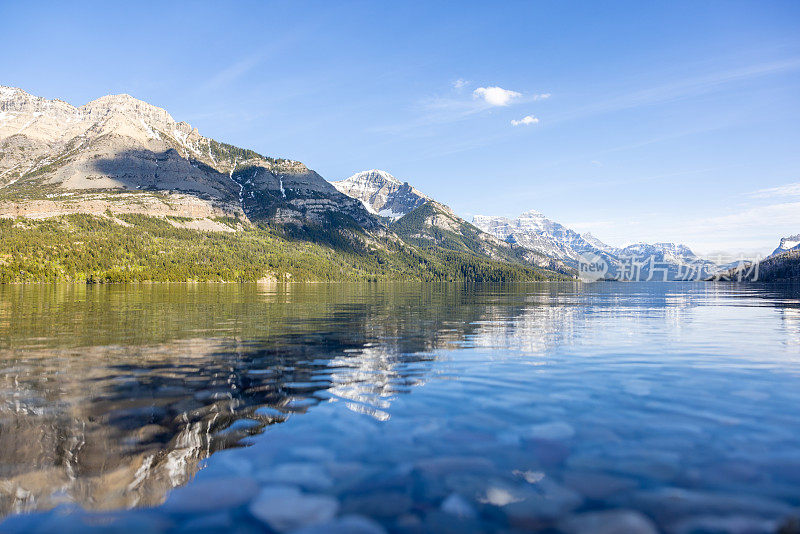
(641,261)
(536,232)
(791,242)
(426,223)
(434,225)
(382,194)
(783,265)
(123,155)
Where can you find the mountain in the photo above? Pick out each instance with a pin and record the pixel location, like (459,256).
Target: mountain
(536,232)
(783,265)
(117,190)
(640,261)
(665,252)
(123,155)
(787,243)
(382,194)
(429,224)
(434,225)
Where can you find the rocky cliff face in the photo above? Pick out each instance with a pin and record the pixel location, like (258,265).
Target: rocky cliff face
(382,194)
(791,242)
(536,232)
(50,150)
(435,225)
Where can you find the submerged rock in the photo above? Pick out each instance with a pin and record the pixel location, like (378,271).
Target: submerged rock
(386,504)
(734,524)
(545,501)
(310,476)
(286,508)
(790,526)
(456,505)
(349,524)
(673,504)
(553,431)
(204,496)
(608,522)
(598,486)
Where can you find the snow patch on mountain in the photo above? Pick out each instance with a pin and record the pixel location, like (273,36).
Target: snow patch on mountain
(381,193)
(536,232)
(787,243)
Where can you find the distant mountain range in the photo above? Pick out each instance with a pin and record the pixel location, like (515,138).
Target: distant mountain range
(640,261)
(118,158)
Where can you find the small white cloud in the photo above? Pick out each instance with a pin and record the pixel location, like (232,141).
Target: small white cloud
(496,96)
(788,190)
(543,96)
(525,121)
(460,83)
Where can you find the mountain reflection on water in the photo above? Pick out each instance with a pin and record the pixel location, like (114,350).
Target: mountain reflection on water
(136,402)
(112,396)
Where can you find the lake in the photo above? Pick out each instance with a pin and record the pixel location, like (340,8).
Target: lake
(607,407)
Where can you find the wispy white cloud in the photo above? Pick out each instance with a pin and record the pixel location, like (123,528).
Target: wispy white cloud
(788,190)
(496,96)
(242,66)
(453,107)
(525,121)
(785,213)
(460,83)
(233,71)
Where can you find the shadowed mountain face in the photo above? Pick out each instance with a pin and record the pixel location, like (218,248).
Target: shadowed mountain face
(55,157)
(434,225)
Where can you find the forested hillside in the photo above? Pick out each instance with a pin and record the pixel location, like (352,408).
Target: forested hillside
(134,247)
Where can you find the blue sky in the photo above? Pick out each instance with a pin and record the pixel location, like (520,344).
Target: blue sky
(648,121)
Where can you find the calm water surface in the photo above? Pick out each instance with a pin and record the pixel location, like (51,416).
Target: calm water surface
(399,408)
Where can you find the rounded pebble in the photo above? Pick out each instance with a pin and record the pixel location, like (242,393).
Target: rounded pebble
(609,522)
(204,496)
(285,508)
(456,505)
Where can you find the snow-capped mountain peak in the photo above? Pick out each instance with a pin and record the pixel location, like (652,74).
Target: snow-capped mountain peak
(534,231)
(647,249)
(381,193)
(787,243)
(532,214)
(377,175)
